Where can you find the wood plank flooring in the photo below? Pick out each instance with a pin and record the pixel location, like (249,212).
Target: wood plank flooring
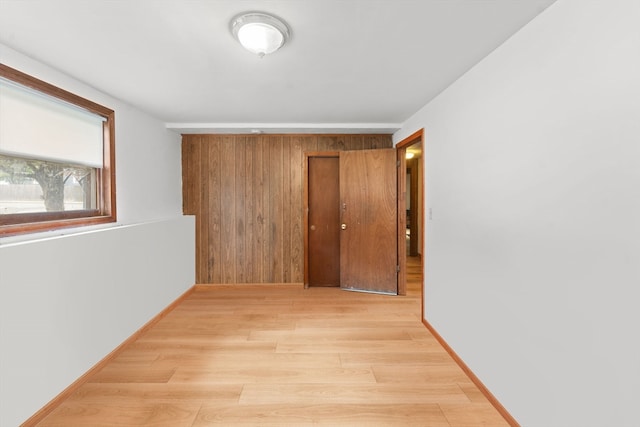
(264,355)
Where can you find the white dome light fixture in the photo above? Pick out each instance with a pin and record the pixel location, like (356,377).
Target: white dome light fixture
(259,32)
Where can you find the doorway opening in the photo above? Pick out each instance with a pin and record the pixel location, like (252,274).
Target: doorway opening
(411,204)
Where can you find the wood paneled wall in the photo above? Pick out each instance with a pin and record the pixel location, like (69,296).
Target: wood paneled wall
(246,193)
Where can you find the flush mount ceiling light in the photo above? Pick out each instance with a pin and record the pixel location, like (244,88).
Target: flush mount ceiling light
(259,32)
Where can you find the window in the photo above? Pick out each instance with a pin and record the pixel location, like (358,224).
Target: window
(57,165)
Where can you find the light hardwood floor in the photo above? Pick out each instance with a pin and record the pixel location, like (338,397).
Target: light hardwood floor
(271,355)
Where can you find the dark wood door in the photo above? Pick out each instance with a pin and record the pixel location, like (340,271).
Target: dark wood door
(324,221)
(369,212)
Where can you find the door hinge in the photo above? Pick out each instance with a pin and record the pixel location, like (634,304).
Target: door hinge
(398,268)
(398,163)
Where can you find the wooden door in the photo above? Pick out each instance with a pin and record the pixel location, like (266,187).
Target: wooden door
(369,212)
(323,221)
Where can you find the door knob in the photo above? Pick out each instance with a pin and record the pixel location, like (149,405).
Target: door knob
(343,226)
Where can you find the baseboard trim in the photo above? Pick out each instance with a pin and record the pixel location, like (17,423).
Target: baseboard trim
(210,286)
(56,401)
(483,389)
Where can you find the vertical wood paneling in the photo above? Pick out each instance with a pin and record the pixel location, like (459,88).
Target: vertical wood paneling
(286,209)
(203,220)
(246,193)
(228,213)
(276,207)
(213,189)
(192,177)
(240,202)
(188,199)
(296,182)
(378,141)
(310,143)
(262,208)
(355,142)
(330,143)
(249,265)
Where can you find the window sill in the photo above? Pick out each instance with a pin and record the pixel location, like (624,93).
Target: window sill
(37,231)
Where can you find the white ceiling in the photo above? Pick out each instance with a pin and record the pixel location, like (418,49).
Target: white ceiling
(350,63)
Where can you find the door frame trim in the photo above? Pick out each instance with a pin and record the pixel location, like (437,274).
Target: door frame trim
(305,200)
(401,151)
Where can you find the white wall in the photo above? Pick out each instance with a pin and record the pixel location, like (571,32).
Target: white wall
(69,298)
(533,252)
